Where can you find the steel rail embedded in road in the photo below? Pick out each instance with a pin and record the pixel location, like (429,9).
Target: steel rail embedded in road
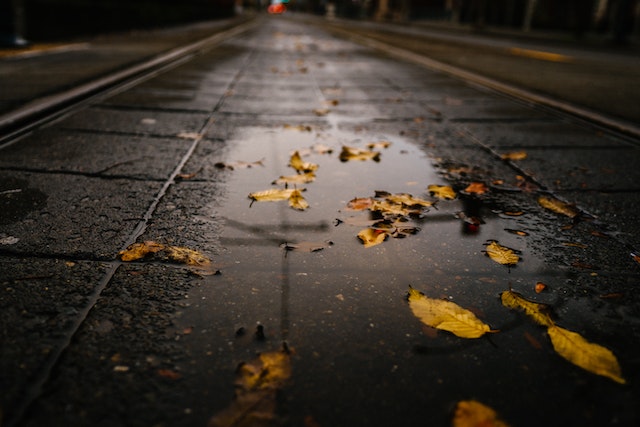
(518,92)
(48,108)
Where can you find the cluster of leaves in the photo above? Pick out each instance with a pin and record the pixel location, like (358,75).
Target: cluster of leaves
(391,213)
(305,172)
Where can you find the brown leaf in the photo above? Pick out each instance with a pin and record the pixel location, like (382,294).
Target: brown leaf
(352,153)
(514,155)
(470,413)
(476,188)
(558,206)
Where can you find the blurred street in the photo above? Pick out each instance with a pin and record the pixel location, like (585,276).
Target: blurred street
(175,203)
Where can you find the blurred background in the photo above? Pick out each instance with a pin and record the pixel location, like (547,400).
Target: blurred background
(40,20)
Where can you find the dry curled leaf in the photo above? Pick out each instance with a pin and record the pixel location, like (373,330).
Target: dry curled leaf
(446,315)
(502,254)
(293,195)
(296,201)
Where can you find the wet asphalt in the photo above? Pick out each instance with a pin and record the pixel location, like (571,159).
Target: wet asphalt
(90,340)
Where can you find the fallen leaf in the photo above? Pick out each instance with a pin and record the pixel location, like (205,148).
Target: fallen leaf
(442,192)
(372,237)
(390,209)
(360,203)
(272,195)
(558,206)
(352,153)
(321,112)
(301,166)
(321,149)
(471,413)
(516,232)
(296,201)
(476,188)
(138,251)
(514,155)
(446,315)
(538,312)
(589,356)
(177,254)
(540,287)
(407,200)
(304,178)
(502,254)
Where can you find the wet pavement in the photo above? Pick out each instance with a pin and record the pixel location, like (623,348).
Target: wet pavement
(88,339)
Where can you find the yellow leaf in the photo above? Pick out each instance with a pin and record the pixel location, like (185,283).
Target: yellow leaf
(169,253)
(352,153)
(140,250)
(272,195)
(387,208)
(558,206)
(407,199)
(538,312)
(304,178)
(296,201)
(442,192)
(514,155)
(502,254)
(372,237)
(471,413)
(301,166)
(446,315)
(591,357)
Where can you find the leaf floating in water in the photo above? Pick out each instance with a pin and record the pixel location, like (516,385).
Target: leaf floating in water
(446,315)
(181,255)
(304,178)
(558,206)
(444,192)
(502,254)
(471,413)
(589,356)
(514,155)
(352,153)
(570,345)
(301,166)
(296,201)
(404,199)
(372,237)
(538,312)
(257,388)
(516,232)
(272,195)
(360,203)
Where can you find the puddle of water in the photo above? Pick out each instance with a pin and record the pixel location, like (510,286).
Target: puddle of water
(343,308)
